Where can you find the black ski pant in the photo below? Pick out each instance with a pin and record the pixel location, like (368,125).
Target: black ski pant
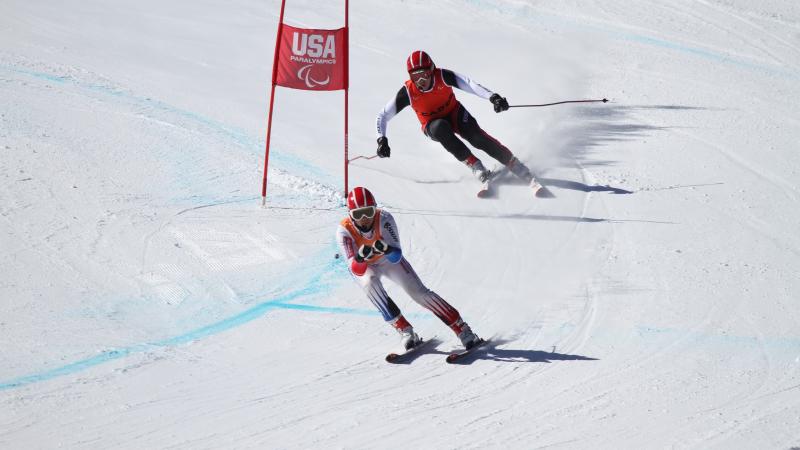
(461,122)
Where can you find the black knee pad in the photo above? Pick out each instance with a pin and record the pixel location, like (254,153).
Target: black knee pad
(439,130)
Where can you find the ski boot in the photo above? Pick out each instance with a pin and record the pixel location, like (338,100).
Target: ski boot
(465,335)
(478,169)
(521,171)
(408,337)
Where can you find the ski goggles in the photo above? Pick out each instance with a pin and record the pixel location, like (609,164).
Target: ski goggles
(420,74)
(360,213)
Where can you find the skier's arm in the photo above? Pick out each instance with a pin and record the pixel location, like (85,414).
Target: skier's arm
(466,84)
(390,239)
(394,106)
(348,250)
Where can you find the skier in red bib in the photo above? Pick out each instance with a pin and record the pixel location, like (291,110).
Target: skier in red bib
(429,92)
(369,240)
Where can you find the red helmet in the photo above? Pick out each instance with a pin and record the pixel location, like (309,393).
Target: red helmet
(360,197)
(419,60)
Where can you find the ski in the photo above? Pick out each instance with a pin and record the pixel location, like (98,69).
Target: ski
(487,187)
(540,191)
(454,357)
(396,358)
(483,192)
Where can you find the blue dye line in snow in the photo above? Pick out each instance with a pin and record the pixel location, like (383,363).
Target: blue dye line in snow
(708,54)
(194,335)
(327,309)
(314,283)
(529,12)
(650,333)
(278,158)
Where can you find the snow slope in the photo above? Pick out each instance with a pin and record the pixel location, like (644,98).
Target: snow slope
(148,301)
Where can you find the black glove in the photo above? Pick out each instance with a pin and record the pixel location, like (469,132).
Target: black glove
(364,253)
(381,246)
(500,103)
(383,147)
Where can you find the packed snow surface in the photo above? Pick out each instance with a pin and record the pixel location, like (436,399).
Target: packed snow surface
(148,300)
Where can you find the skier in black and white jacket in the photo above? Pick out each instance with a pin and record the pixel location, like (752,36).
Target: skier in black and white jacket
(429,92)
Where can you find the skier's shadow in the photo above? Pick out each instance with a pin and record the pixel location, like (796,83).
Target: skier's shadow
(429,348)
(491,352)
(576,186)
(506,179)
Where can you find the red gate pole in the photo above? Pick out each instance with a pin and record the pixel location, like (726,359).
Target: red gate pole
(346,162)
(346,89)
(271,103)
(266,154)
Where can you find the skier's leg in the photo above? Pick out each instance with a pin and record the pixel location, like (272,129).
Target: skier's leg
(403,274)
(468,128)
(441,131)
(370,282)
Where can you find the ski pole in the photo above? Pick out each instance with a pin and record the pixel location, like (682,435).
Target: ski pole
(365,157)
(558,103)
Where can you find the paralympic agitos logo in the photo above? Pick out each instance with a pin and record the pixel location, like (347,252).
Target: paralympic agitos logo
(313,49)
